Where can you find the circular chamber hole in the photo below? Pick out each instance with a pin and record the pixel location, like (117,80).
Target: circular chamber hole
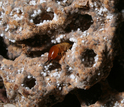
(78,21)
(88,58)
(44,16)
(29,82)
(64,2)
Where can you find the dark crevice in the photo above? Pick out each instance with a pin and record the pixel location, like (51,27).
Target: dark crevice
(36,41)
(116,76)
(120,5)
(3,48)
(1,83)
(70,100)
(91,95)
(78,21)
(88,58)
(35,46)
(29,82)
(44,16)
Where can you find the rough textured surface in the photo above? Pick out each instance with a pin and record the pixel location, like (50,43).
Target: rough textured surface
(28,29)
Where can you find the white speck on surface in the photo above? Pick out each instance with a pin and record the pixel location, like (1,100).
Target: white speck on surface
(20,70)
(73,47)
(53,41)
(48,9)
(32,2)
(122,12)
(122,101)
(20,29)
(29,76)
(85,33)
(102,10)
(73,40)
(96,59)
(59,38)
(27,88)
(36,12)
(98,73)
(7,28)
(42,1)
(82,41)
(82,59)
(55,74)
(22,85)
(58,2)
(101,29)
(60,88)
(31,21)
(55,17)
(2,35)
(17,18)
(44,74)
(8,105)
(1,4)
(70,68)
(72,76)
(39,65)
(116,104)
(78,29)
(109,17)
(13,41)
(41,23)
(64,1)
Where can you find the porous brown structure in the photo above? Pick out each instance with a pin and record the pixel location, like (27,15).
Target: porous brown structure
(30,27)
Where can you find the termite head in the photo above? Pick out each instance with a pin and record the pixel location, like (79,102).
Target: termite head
(53,53)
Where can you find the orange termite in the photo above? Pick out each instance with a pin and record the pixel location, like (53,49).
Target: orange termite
(57,51)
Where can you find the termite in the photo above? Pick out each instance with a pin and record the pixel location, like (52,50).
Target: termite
(57,51)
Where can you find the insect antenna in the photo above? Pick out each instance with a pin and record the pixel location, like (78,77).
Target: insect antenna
(47,62)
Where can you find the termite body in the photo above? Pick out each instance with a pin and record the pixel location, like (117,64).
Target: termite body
(57,51)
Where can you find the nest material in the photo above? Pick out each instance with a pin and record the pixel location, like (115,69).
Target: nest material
(30,28)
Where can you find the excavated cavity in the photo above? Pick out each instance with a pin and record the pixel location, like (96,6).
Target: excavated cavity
(70,100)
(29,82)
(116,77)
(44,16)
(36,45)
(3,48)
(64,2)
(91,95)
(78,22)
(1,82)
(36,41)
(88,57)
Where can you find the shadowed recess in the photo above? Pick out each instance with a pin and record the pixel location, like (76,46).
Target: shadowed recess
(70,100)
(88,58)
(116,76)
(78,21)
(29,82)
(3,48)
(91,95)
(1,82)
(44,16)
